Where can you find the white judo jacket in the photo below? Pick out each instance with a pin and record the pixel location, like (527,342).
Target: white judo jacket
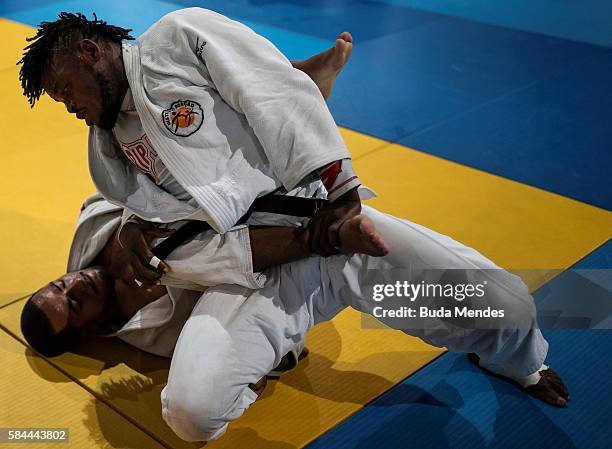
(227,114)
(155,328)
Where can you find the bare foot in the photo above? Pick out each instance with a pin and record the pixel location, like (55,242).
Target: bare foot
(550,388)
(358,235)
(324,67)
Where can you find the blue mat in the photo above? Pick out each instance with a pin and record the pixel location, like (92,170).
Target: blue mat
(118,12)
(584,20)
(452,404)
(550,134)
(418,78)
(525,106)
(322,18)
(599,259)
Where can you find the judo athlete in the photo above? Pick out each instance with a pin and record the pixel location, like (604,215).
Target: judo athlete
(225,339)
(196,121)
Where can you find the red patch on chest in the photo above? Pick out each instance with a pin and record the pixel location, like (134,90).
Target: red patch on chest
(142,155)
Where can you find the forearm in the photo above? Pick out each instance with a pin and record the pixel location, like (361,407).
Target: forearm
(105,256)
(271,246)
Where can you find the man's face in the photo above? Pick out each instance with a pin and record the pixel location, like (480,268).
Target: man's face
(82,80)
(76,299)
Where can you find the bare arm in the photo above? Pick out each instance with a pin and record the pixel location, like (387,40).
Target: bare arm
(272,246)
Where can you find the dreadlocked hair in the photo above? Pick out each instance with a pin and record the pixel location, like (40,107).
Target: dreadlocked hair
(37,55)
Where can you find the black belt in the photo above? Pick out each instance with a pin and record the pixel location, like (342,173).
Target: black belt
(287,205)
(184,233)
(278,204)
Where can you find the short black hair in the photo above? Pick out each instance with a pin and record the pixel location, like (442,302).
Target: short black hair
(37,330)
(37,55)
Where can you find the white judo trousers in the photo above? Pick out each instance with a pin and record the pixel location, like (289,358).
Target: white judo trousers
(236,335)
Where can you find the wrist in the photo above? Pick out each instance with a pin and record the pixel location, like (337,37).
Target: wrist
(350,196)
(303,237)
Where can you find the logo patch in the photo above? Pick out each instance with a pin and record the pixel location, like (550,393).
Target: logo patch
(142,155)
(183,118)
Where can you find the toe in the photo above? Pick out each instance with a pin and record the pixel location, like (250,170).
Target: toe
(341,47)
(346,36)
(340,54)
(557,382)
(560,402)
(560,388)
(383,248)
(545,391)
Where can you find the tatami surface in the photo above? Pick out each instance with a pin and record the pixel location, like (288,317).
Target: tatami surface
(473,410)
(511,156)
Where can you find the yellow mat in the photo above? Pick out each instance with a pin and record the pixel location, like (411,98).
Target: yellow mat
(347,367)
(521,228)
(14,36)
(45,179)
(35,394)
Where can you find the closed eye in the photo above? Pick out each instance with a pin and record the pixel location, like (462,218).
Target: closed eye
(74,305)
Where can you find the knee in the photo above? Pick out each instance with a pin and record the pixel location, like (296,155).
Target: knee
(191,417)
(204,415)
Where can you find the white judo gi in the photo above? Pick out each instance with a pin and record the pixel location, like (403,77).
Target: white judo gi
(225,113)
(232,335)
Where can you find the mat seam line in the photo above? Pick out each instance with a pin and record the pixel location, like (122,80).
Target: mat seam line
(363,406)
(496,175)
(445,352)
(451,116)
(498,25)
(89,390)
(357,158)
(369,152)
(597,248)
(366,404)
(13,301)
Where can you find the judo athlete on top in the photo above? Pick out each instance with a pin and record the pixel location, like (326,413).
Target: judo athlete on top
(176,139)
(196,121)
(224,339)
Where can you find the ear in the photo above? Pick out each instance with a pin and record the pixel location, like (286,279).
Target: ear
(89,51)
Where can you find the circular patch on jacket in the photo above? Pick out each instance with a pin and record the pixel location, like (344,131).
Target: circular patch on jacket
(183,117)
